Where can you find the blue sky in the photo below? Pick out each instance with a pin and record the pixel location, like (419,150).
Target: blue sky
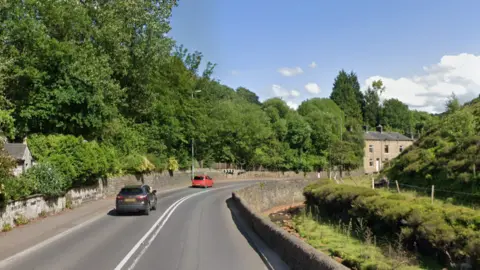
(251,40)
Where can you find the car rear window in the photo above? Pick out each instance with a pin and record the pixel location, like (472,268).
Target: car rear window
(131,191)
(198,178)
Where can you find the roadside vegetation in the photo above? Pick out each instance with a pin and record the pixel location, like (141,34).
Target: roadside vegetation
(448,233)
(354,245)
(446,156)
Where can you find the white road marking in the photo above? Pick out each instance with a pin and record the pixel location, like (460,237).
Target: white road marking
(29,250)
(156,233)
(165,215)
(48,241)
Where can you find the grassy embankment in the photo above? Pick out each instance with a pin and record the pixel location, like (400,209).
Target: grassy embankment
(444,232)
(355,246)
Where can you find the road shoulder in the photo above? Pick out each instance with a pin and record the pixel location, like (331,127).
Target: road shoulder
(37,231)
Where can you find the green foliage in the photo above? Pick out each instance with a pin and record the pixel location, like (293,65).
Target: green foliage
(452,104)
(446,156)
(17,188)
(440,228)
(172,164)
(78,160)
(395,114)
(7,163)
(47,180)
(20,220)
(372,110)
(346,93)
(6,227)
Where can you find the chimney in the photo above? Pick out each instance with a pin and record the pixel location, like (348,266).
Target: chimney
(380,128)
(365,128)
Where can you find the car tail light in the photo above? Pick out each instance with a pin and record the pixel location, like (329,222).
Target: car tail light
(119,197)
(142,197)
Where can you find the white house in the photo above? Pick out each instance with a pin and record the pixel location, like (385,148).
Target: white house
(23,156)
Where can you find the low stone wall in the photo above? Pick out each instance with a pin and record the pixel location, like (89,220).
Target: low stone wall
(158,181)
(297,254)
(34,206)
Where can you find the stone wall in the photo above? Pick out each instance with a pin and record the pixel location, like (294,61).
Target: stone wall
(266,195)
(158,181)
(34,206)
(254,199)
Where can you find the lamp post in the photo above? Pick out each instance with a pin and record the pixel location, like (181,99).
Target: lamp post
(193,149)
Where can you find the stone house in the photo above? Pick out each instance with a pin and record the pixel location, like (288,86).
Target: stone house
(23,156)
(381,147)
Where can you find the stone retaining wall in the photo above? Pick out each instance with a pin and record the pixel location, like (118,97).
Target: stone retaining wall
(254,199)
(33,206)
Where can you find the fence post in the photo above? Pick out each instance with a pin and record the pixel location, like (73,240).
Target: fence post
(398,187)
(433,192)
(373,183)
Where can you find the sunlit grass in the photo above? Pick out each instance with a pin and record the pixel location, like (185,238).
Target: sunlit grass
(355,244)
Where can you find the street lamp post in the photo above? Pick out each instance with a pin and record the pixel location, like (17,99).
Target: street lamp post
(193,149)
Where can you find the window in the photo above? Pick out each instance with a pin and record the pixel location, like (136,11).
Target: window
(386,148)
(371,163)
(370,148)
(198,178)
(401,148)
(131,191)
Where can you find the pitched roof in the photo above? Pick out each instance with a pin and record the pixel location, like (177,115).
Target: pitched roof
(386,136)
(16,150)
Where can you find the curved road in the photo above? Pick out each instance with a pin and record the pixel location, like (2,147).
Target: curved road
(191,229)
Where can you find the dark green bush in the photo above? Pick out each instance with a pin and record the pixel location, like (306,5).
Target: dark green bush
(436,230)
(48,180)
(17,188)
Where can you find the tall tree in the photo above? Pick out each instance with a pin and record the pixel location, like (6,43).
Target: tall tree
(396,115)
(372,109)
(346,93)
(452,104)
(248,95)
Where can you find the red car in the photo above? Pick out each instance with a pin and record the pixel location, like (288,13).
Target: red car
(202,181)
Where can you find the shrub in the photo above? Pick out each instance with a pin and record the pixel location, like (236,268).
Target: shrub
(172,164)
(445,229)
(20,220)
(81,161)
(6,227)
(135,163)
(17,188)
(48,180)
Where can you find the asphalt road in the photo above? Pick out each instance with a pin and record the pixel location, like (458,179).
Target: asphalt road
(191,229)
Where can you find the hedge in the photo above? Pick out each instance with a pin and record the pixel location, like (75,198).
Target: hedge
(448,232)
(66,161)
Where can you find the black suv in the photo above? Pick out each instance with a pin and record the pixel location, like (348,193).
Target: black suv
(136,198)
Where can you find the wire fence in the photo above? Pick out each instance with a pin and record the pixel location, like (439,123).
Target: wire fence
(469,199)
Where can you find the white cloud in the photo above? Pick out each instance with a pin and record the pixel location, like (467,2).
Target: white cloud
(313,65)
(279,91)
(312,88)
(290,96)
(459,74)
(290,72)
(234,72)
(292,105)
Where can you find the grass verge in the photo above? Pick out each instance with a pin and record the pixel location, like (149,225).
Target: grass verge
(354,245)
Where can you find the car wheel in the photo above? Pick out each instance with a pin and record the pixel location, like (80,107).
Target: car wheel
(154,207)
(147,210)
